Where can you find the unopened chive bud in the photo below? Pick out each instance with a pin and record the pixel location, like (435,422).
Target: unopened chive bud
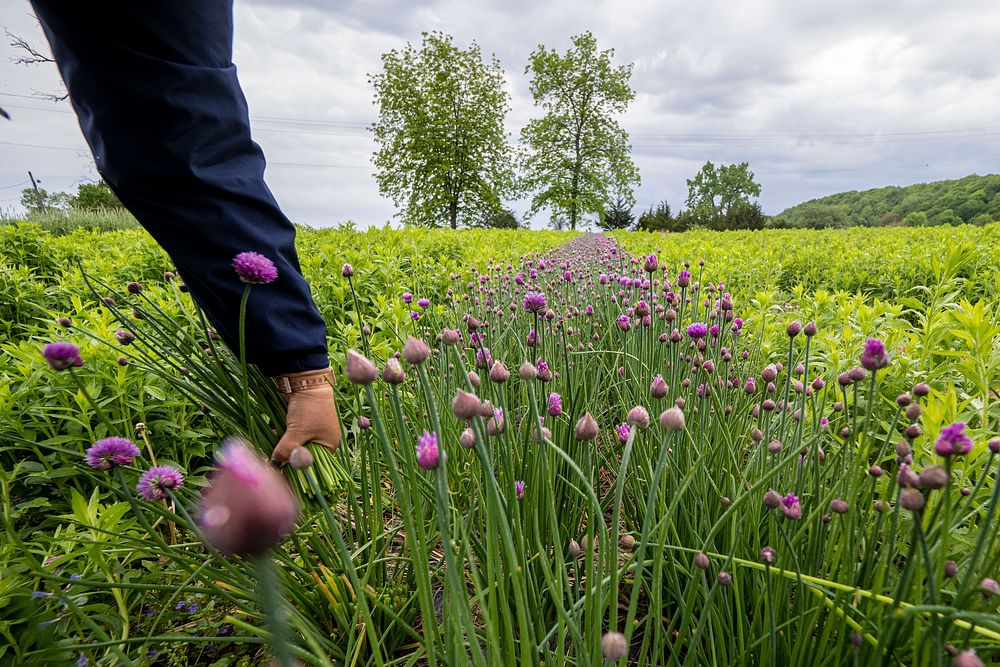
(613,646)
(574,549)
(638,417)
(933,477)
(768,556)
(772,499)
(672,419)
(393,372)
(415,351)
(911,499)
(360,370)
(300,458)
(465,405)
(586,427)
(499,373)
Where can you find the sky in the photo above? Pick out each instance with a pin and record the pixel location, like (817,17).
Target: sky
(818,97)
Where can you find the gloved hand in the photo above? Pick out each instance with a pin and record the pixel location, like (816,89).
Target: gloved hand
(312,412)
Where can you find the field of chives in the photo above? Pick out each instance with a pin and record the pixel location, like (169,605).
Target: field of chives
(639,449)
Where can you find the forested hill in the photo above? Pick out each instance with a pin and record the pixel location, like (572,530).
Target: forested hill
(973,199)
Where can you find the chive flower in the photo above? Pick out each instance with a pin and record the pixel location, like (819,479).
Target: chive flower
(623,431)
(254,268)
(952,441)
(107,453)
(697,330)
(534,302)
(249,507)
(154,482)
(874,355)
(62,355)
(554,405)
(519,489)
(428,455)
(790,507)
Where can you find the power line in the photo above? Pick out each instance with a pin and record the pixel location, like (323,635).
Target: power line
(736,140)
(54,148)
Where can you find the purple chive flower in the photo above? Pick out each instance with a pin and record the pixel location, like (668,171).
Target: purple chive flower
(249,507)
(428,455)
(683,279)
(254,268)
(407,297)
(534,302)
(424,303)
(874,355)
(519,489)
(154,482)
(651,264)
(624,322)
(952,441)
(62,355)
(623,430)
(347,271)
(790,507)
(697,330)
(110,452)
(483,358)
(555,404)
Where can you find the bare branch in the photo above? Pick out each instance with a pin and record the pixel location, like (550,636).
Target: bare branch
(30,55)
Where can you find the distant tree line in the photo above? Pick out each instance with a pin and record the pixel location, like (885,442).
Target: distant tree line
(719,197)
(88,197)
(974,200)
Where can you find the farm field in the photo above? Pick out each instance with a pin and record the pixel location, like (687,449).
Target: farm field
(769,447)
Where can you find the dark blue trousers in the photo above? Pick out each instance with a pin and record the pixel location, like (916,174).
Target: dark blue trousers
(156,93)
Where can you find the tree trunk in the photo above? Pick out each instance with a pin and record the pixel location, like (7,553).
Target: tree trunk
(453,214)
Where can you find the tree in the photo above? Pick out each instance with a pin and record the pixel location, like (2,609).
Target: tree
(618,215)
(713,191)
(743,215)
(442,151)
(578,156)
(42,201)
(656,219)
(503,219)
(92,196)
(815,215)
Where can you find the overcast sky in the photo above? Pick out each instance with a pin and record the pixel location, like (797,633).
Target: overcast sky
(819,97)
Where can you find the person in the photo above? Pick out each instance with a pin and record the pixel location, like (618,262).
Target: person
(157,97)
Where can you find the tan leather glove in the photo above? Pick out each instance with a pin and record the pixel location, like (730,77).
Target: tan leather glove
(312,412)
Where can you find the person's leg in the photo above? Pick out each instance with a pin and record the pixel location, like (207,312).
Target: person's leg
(158,99)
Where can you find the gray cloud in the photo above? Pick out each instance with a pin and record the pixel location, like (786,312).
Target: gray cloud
(817,97)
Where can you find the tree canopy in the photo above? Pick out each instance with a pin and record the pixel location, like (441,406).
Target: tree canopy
(974,199)
(715,190)
(578,156)
(443,155)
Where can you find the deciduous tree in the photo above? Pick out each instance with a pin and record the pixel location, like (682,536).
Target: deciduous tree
(443,155)
(714,190)
(578,156)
